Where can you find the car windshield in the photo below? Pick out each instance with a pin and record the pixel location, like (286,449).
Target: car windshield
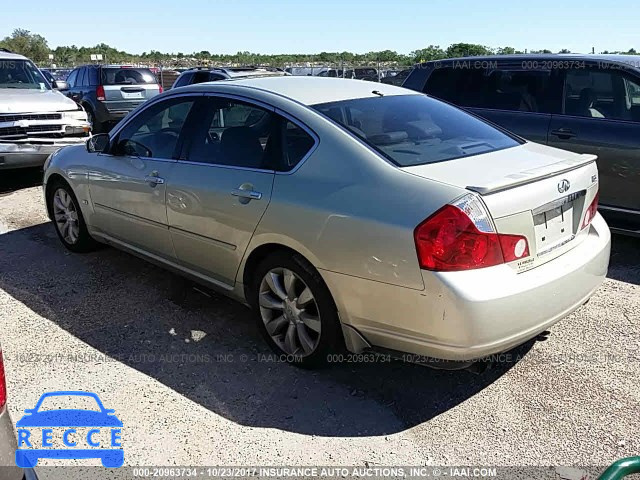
(21,74)
(127,76)
(66,402)
(416,129)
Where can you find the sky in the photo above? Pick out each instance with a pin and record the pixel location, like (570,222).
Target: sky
(312,26)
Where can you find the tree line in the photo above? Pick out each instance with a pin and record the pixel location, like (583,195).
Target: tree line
(36,48)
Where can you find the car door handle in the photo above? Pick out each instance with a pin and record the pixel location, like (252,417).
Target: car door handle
(154,180)
(563,133)
(250,194)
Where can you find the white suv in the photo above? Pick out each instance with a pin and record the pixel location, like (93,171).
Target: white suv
(35,120)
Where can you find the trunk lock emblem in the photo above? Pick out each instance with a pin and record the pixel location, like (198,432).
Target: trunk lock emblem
(564,186)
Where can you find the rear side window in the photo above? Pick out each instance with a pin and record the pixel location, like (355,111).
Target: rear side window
(415,129)
(503,88)
(593,93)
(297,143)
(127,76)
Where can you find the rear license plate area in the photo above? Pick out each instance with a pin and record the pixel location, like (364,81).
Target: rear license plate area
(554,227)
(131,95)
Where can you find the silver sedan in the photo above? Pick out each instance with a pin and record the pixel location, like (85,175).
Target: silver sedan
(346,214)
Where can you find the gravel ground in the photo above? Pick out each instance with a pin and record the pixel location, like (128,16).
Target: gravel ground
(183,372)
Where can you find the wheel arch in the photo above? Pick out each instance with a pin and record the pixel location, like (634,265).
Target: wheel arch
(257,255)
(52,180)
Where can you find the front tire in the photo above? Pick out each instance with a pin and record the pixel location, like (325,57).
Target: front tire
(68,220)
(295,311)
(96,127)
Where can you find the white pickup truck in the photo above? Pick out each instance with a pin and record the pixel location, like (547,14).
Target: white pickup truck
(35,120)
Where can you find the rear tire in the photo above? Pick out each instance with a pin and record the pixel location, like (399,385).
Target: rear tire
(294,310)
(67,218)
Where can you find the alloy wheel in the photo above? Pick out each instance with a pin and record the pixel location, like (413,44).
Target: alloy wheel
(66,216)
(289,311)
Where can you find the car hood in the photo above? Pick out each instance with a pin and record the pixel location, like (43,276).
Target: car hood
(69,418)
(34,101)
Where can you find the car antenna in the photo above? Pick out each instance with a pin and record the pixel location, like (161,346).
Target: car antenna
(378,92)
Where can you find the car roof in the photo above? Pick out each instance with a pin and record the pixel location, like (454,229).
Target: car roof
(311,90)
(630,60)
(11,56)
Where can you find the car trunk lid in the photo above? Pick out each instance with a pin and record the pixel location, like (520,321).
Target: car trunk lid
(540,192)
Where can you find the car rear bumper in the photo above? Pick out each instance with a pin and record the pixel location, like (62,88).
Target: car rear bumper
(8,445)
(115,111)
(466,316)
(21,155)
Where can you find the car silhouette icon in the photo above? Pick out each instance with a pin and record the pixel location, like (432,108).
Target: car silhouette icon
(69,419)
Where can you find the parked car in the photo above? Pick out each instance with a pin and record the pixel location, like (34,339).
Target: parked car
(47,74)
(370,74)
(305,71)
(59,73)
(332,72)
(375,219)
(8,444)
(397,79)
(581,103)
(200,75)
(109,92)
(364,73)
(35,120)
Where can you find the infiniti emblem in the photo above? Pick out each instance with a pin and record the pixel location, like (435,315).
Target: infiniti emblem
(564,186)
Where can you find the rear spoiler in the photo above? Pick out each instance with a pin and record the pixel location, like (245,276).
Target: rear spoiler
(529,176)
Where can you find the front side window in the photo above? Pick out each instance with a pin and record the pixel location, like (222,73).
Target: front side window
(235,133)
(593,93)
(184,79)
(82,77)
(200,77)
(71,79)
(92,76)
(415,129)
(21,75)
(155,131)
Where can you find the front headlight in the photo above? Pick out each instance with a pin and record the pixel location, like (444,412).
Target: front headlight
(77,115)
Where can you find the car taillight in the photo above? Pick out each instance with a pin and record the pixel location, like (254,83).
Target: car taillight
(461,236)
(100,93)
(591,211)
(160,89)
(3,384)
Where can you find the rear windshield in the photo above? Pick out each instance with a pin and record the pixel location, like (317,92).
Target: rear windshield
(127,76)
(416,129)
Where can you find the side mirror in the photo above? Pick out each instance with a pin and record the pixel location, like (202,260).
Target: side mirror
(60,85)
(98,143)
